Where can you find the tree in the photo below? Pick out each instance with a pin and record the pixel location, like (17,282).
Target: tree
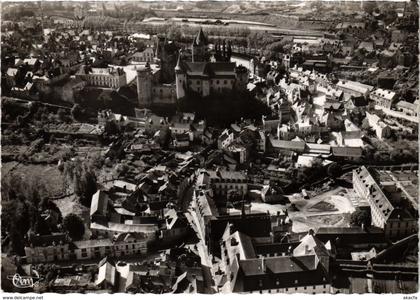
(85,183)
(74,226)
(369,6)
(334,170)
(76,111)
(360,217)
(62,115)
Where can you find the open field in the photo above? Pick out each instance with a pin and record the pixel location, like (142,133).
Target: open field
(48,175)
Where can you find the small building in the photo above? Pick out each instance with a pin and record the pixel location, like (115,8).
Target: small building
(107,275)
(383,98)
(99,207)
(347,152)
(410,109)
(147,55)
(47,248)
(381,129)
(353,88)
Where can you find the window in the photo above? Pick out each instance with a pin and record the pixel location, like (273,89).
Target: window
(84,254)
(198,82)
(225,82)
(314,287)
(217,81)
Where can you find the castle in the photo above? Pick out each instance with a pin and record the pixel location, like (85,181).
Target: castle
(204,77)
(199,75)
(150,90)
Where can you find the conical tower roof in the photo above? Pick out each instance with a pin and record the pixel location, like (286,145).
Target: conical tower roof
(178,67)
(200,39)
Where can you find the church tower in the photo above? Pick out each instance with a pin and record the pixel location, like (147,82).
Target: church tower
(144,86)
(199,48)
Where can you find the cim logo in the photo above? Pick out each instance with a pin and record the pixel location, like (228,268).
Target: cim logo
(23,282)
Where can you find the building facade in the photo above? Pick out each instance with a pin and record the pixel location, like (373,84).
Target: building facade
(103,77)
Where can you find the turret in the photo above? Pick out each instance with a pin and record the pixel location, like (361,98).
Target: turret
(241,77)
(180,78)
(229,51)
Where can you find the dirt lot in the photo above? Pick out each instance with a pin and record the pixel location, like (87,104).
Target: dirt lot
(332,208)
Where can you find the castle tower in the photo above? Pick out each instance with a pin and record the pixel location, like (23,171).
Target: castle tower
(241,78)
(199,47)
(180,78)
(144,86)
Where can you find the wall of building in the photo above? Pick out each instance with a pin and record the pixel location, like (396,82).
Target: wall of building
(47,254)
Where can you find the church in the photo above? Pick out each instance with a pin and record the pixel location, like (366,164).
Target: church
(205,77)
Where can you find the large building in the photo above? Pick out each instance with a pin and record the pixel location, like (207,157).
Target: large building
(222,182)
(205,77)
(103,77)
(274,268)
(385,203)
